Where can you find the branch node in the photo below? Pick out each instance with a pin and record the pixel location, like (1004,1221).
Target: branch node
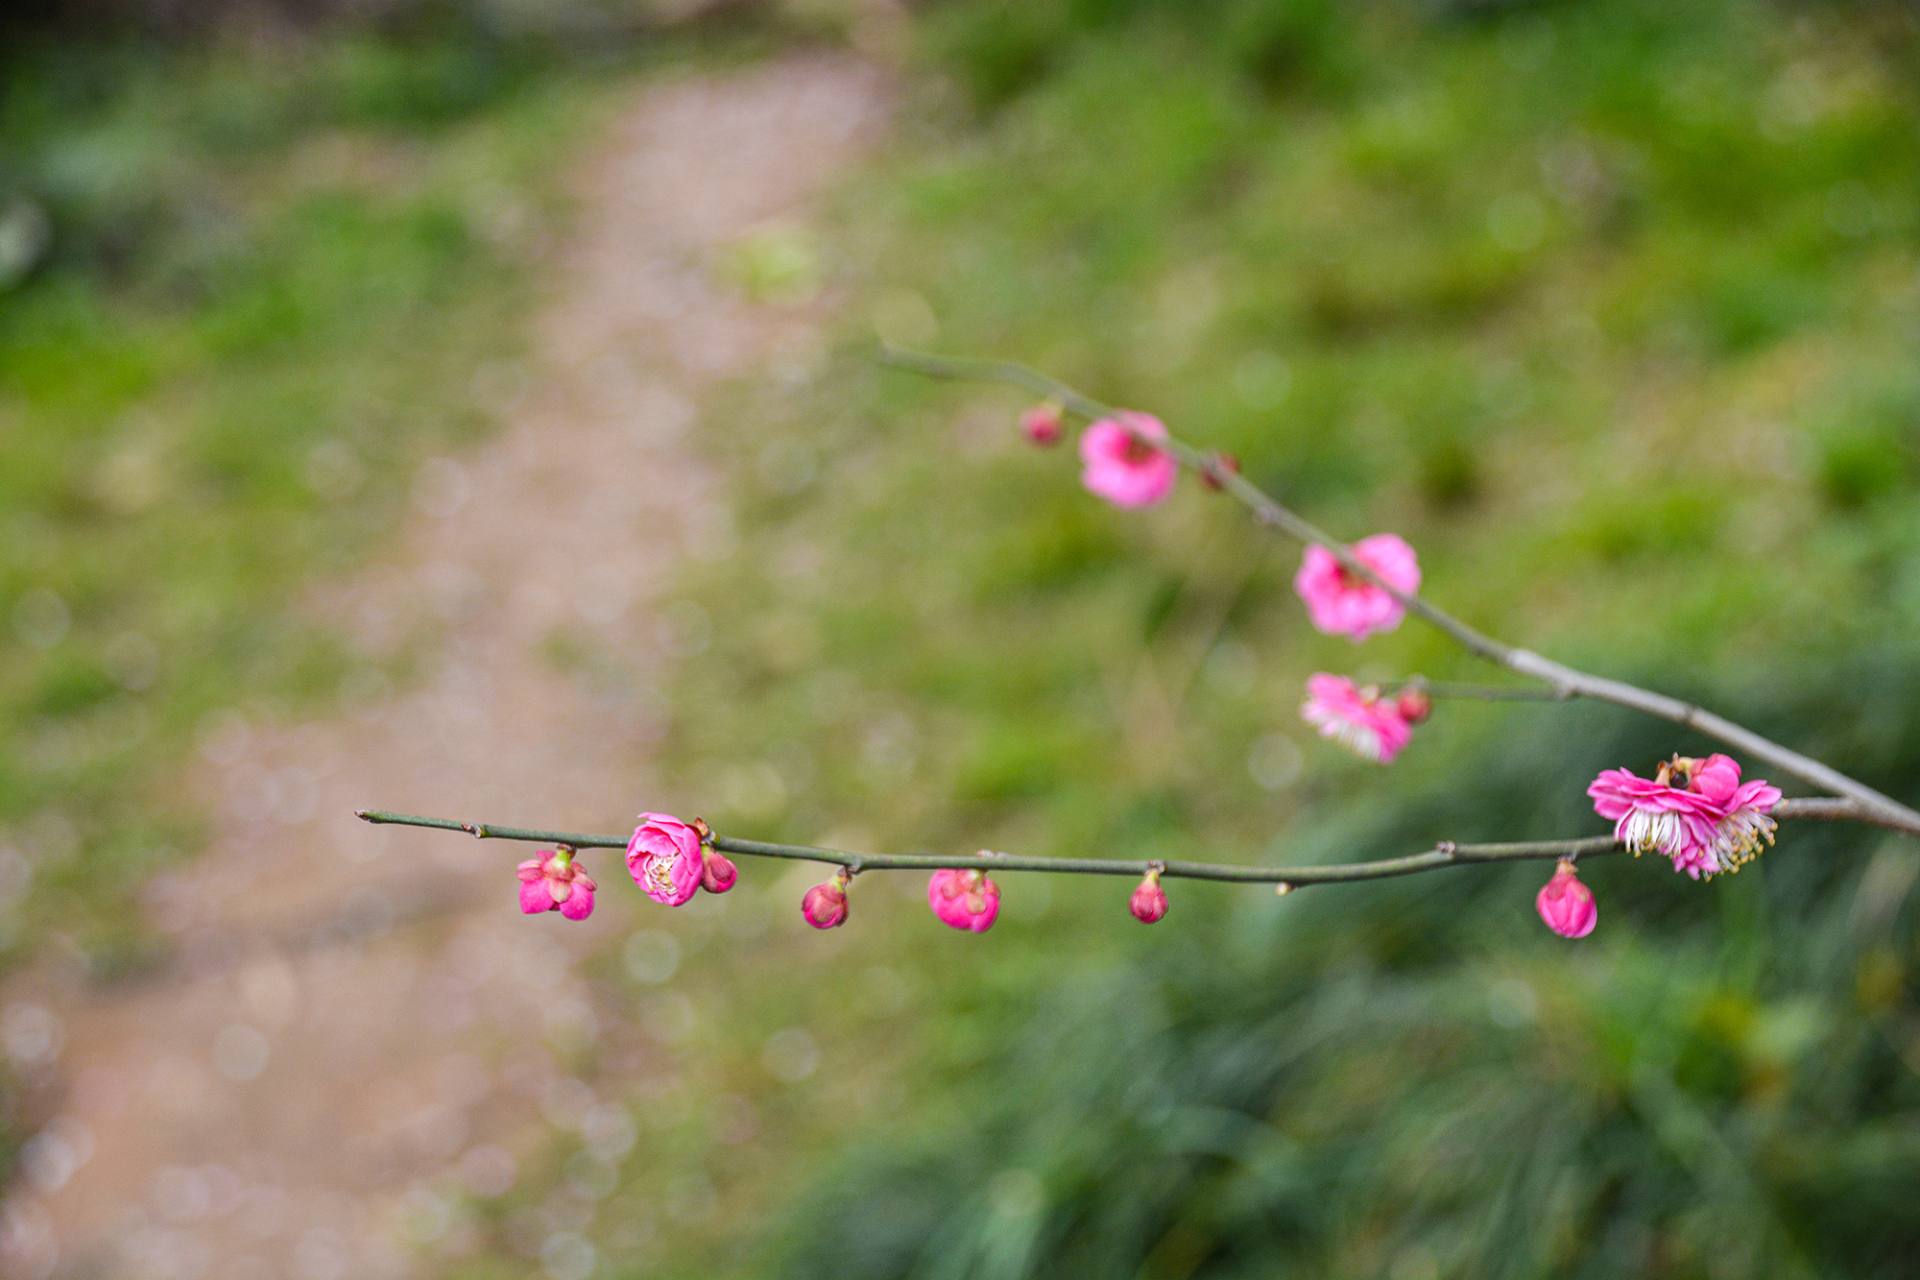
(1446,848)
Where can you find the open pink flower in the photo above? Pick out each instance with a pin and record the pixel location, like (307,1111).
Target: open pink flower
(1372,727)
(664,858)
(1119,465)
(1743,829)
(554,882)
(1697,812)
(1652,814)
(1566,904)
(964,898)
(825,905)
(1341,603)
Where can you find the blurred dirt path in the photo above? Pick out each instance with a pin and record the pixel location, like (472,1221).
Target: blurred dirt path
(359,1024)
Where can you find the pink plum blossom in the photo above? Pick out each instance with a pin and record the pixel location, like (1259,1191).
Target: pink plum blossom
(1340,602)
(964,898)
(554,882)
(664,858)
(1042,424)
(1697,812)
(1360,720)
(1566,904)
(825,905)
(1652,814)
(1149,902)
(717,872)
(1743,829)
(1119,464)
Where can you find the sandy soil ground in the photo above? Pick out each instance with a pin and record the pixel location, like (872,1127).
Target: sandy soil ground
(359,1026)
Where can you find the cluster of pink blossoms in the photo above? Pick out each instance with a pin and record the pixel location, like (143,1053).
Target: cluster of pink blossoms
(672,861)
(1696,812)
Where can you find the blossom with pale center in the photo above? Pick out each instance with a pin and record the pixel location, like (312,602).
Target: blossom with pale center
(1566,904)
(1654,814)
(1372,727)
(664,858)
(1743,830)
(1343,603)
(553,882)
(964,898)
(1119,462)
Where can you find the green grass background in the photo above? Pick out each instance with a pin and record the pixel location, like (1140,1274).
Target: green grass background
(1610,308)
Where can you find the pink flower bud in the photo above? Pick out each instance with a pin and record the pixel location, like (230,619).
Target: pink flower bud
(717,872)
(1042,424)
(1415,706)
(1566,904)
(964,898)
(554,882)
(664,858)
(825,906)
(1219,466)
(1149,899)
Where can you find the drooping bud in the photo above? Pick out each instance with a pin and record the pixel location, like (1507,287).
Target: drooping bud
(964,898)
(1219,466)
(1149,899)
(1043,424)
(825,906)
(717,872)
(1566,904)
(1415,705)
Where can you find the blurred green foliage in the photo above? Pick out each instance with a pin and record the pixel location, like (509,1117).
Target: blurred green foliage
(1610,308)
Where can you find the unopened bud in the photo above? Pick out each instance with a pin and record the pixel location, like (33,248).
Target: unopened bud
(1218,467)
(1414,705)
(1566,904)
(717,872)
(825,906)
(1149,899)
(1042,424)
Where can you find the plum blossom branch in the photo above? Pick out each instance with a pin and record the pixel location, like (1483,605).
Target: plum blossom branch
(1443,854)
(1452,689)
(1564,682)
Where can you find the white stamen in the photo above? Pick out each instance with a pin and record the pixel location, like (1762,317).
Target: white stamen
(1362,741)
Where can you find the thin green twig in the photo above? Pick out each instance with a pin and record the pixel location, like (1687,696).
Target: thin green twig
(1444,854)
